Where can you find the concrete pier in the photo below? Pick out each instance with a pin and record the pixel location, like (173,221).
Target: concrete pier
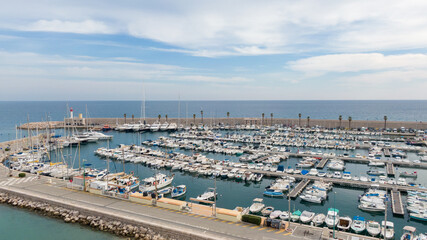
(299,188)
(390,169)
(396,203)
(322,163)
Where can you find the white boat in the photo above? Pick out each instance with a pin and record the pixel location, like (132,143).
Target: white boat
(372,206)
(331,219)
(387,229)
(164,126)
(373,228)
(337,175)
(313,172)
(257,205)
(344,223)
(178,191)
(408,233)
(319,219)
(295,216)
(267,211)
(307,216)
(311,198)
(358,225)
(284,215)
(207,196)
(161,180)
(275,214)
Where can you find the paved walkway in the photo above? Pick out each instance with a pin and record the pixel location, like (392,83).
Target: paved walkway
(207,227)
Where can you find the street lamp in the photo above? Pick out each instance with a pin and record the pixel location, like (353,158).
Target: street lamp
(335,215)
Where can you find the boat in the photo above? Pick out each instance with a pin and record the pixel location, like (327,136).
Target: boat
(267,211)
(275,214)
(295,216)
(273,193)
(319,219)
(373,228)
(387,229)
(358,225)
(284,215)
(165,191)
(420,216)
(307,216)
(257,205)
(375,172)
(311,198)
(408,233)
(408,174)
(331,219)
(372,206)
(208,195)
(178,191)
(344,223)
(160,180)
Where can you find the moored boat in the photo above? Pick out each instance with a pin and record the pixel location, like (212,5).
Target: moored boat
(344,223)
(358,225)
(178,191)
(307,216)
(257,205)
(319,219)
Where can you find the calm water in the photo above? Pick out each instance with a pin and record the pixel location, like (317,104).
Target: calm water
(21,224)
(232,193)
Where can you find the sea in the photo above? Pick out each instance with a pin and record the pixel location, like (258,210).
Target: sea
(231,193)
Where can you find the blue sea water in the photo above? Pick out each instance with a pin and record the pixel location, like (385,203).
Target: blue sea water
(16,113)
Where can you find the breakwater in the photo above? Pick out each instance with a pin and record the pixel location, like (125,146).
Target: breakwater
(327,123)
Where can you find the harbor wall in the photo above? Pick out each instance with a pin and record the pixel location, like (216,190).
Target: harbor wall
(328,123)
(116,223)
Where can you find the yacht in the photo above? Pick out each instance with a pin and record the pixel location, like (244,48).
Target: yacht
(155,127)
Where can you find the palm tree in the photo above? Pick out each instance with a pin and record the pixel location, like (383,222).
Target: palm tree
(299,120)
(166,116)
(160,116)
(340,118)
(201,113)
(271,117)
(385,122)
(124,115)
(262,122)
(228,118)
(308,121)
(349,122)
(194,119)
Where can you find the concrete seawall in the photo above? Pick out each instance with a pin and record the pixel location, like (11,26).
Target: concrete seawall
(328,123)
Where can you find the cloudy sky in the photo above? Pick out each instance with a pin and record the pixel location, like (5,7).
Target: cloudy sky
(207,50)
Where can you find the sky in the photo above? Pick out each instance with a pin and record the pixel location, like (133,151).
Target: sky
(213,50)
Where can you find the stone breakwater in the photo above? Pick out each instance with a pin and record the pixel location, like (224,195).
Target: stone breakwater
(116,227)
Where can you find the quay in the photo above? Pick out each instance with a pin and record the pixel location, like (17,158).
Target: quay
(386,152)
(163,220)
(390,169)
(396,203)
(322,162)
(298,189)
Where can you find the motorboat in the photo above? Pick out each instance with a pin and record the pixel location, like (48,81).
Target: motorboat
(284,215)
(313,172)
(275,214)
(408,174)
(311,198)
(307,216)
(321,174)
(337,175)
(420,216)
(319,219)
(267,211)
(257,205)
(273,193)
(331,219)
(408,233)
(159,181)
(372,206)
(165,191)
(358,225)
(373,228)
(387,229)
(295,216)
(208,195)
(375,172)
(346,175)
(344,223)
(178,191)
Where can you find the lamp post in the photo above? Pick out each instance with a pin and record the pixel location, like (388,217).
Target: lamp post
(335,215)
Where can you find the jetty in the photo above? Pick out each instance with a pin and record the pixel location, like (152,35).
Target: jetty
(322,162)
(299,188)
(396,203)
(386,152)
(390,169)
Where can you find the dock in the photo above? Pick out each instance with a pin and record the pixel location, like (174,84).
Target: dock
(322,163)
(298,189)
(390,169)
(396,203)
(386,152)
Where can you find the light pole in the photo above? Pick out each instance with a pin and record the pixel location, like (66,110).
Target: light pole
(289,209)
(335,215)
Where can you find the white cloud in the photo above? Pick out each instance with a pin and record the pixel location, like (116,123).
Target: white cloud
(245,27)
(358,62)
(83,27)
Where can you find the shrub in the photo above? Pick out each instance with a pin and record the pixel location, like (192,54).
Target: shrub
(21,175)
(251,219)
